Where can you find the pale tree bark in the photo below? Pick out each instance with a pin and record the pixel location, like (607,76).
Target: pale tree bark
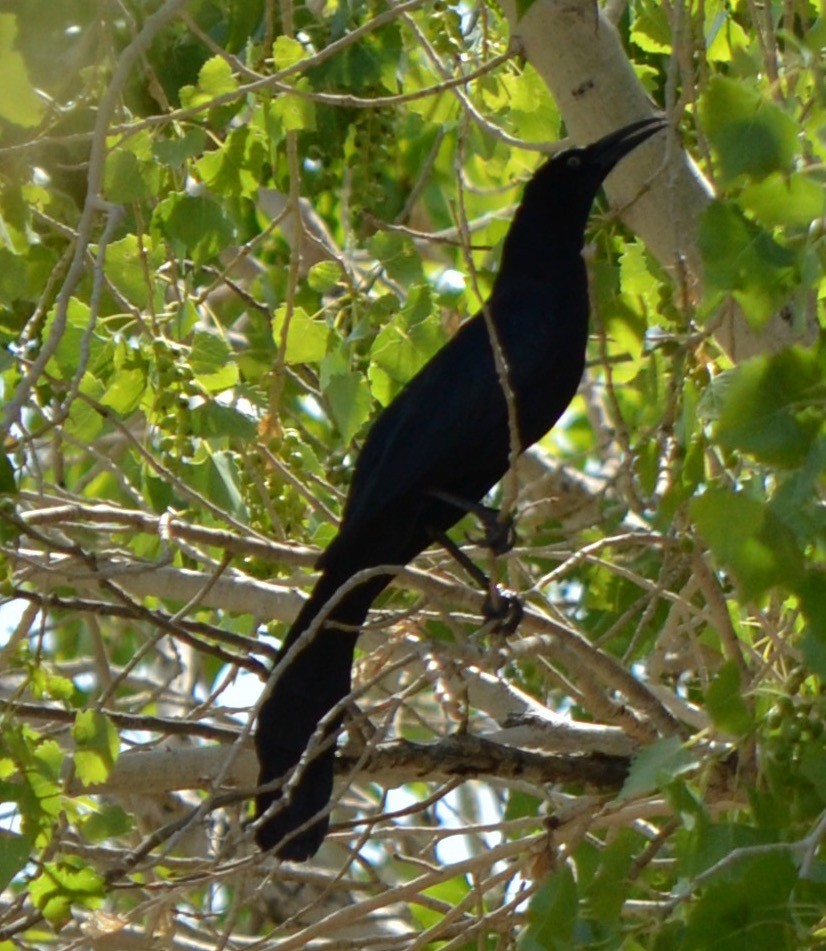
(661,193)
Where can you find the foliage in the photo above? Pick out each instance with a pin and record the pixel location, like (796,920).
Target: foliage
(228,240)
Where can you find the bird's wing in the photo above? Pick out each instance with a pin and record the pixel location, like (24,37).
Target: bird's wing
(447,416)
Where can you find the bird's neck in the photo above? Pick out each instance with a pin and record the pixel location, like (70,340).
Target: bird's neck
(537,249)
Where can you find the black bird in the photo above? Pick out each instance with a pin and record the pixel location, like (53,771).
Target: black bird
(445,438)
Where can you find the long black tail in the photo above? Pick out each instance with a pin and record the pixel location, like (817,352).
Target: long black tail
(309,684)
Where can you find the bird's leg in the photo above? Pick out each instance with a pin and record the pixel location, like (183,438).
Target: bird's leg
(500,607)
(499,530)
(464,560)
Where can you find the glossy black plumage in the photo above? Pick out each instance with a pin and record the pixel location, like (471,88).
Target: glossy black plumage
(448,432)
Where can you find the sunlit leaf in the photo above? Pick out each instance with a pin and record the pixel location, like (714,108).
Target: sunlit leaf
(215,79)
(19,103)
(216,477)
(784,201)
(306,338)
(127,264)
(60,885)
(96,746)
(401,349)
(324,276)
(651,30)
(212,362)
(350,402)
(287,51)
(125,391)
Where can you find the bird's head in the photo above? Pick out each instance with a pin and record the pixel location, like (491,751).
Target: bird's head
(595,161)
(563,190)
(581,171)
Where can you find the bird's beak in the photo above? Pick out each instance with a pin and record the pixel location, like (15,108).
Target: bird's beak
(609,150)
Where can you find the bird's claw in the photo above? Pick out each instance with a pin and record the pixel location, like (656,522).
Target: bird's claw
(500,532)
(503,610)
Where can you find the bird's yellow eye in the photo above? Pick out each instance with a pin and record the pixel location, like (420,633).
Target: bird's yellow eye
(573,161)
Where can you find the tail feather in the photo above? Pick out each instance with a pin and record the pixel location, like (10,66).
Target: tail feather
(310,681)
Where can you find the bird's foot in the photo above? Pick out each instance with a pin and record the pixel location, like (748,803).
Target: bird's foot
(502,610)
(499,530)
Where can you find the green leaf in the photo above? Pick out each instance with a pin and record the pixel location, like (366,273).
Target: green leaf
(814,653)
(655,767)
(287,51)
(14,854)
(522,7)
(636,279)
(214,420)
(350,402)
(127,264)
(307,339)
(784,201)
(46,683)
(531,109)
(770,407)
(194,225)
(324,276)
(651,30)
(173,152)
(8,483)
(552,914)
(65,360)
(216,477)
(125,178)
(724,37)
(747,539)
(521,804)
(63,884)
(19,103)
(745,261)
(813,603)
(213,362)
(295,112)
(607,892)
(751,134)
(125,391)
(107,822)
(724,701)
(795,501)
(235,167)
(813,765)
(215,79)
(752,901)
(14,279)
(85,422)
(97,746)
(399,256)
(399,351)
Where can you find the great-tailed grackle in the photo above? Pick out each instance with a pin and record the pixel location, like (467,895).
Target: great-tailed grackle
(447,436)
